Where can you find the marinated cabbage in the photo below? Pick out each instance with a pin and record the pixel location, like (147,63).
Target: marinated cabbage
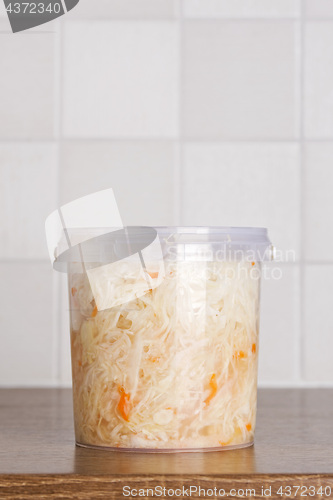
(173,369)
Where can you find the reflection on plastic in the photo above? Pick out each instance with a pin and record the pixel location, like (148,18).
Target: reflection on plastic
(138,273)
(87,234)
(81,220)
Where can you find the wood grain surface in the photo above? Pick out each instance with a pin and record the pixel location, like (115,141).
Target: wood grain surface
(113,487)
(39,459)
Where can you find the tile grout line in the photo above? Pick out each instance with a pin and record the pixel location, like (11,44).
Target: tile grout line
(59,132)
(176,179)
(198,19)
(56,281)
(174,168)
(180,14)
(62,380)
(179,220)
(54,278)
(24,260)
(215,140)
(300,305)
(258,19)
(298,126)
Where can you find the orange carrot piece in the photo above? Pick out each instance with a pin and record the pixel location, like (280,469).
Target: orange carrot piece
(173,409)
(153,359)
(248,427)
(253,263)
(213,389)
(239,355)
(153,275)
(225,443)
(95,311)
(124,404)
(74,290)
(254,348)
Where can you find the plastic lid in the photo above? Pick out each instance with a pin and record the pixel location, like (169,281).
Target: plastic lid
(198,234)
(216,243)
(176,243)
(110,246)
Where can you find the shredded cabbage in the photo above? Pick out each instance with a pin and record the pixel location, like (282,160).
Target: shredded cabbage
(173,369)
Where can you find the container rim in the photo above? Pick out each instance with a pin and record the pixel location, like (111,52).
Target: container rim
(230,235)
(213,229)
(189,241)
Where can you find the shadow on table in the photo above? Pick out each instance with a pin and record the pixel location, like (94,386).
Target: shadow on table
(94,461)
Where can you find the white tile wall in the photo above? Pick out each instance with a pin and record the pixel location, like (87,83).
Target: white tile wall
(318,324)
(195,112)
(239,80)
(241,8)
(121,79)
(27,324)
(140,173)
(322,9)
(318,77)
(244,184)
(279,355)
(27,84)
(28,193)
(318,211)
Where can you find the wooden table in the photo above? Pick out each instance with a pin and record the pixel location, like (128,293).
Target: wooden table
(38,457)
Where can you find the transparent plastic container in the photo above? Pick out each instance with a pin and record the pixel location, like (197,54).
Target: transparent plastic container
(169,361)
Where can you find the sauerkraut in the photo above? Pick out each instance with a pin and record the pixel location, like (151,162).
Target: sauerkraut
(175,368)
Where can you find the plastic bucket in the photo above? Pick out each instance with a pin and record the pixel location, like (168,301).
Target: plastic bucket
(164,343)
